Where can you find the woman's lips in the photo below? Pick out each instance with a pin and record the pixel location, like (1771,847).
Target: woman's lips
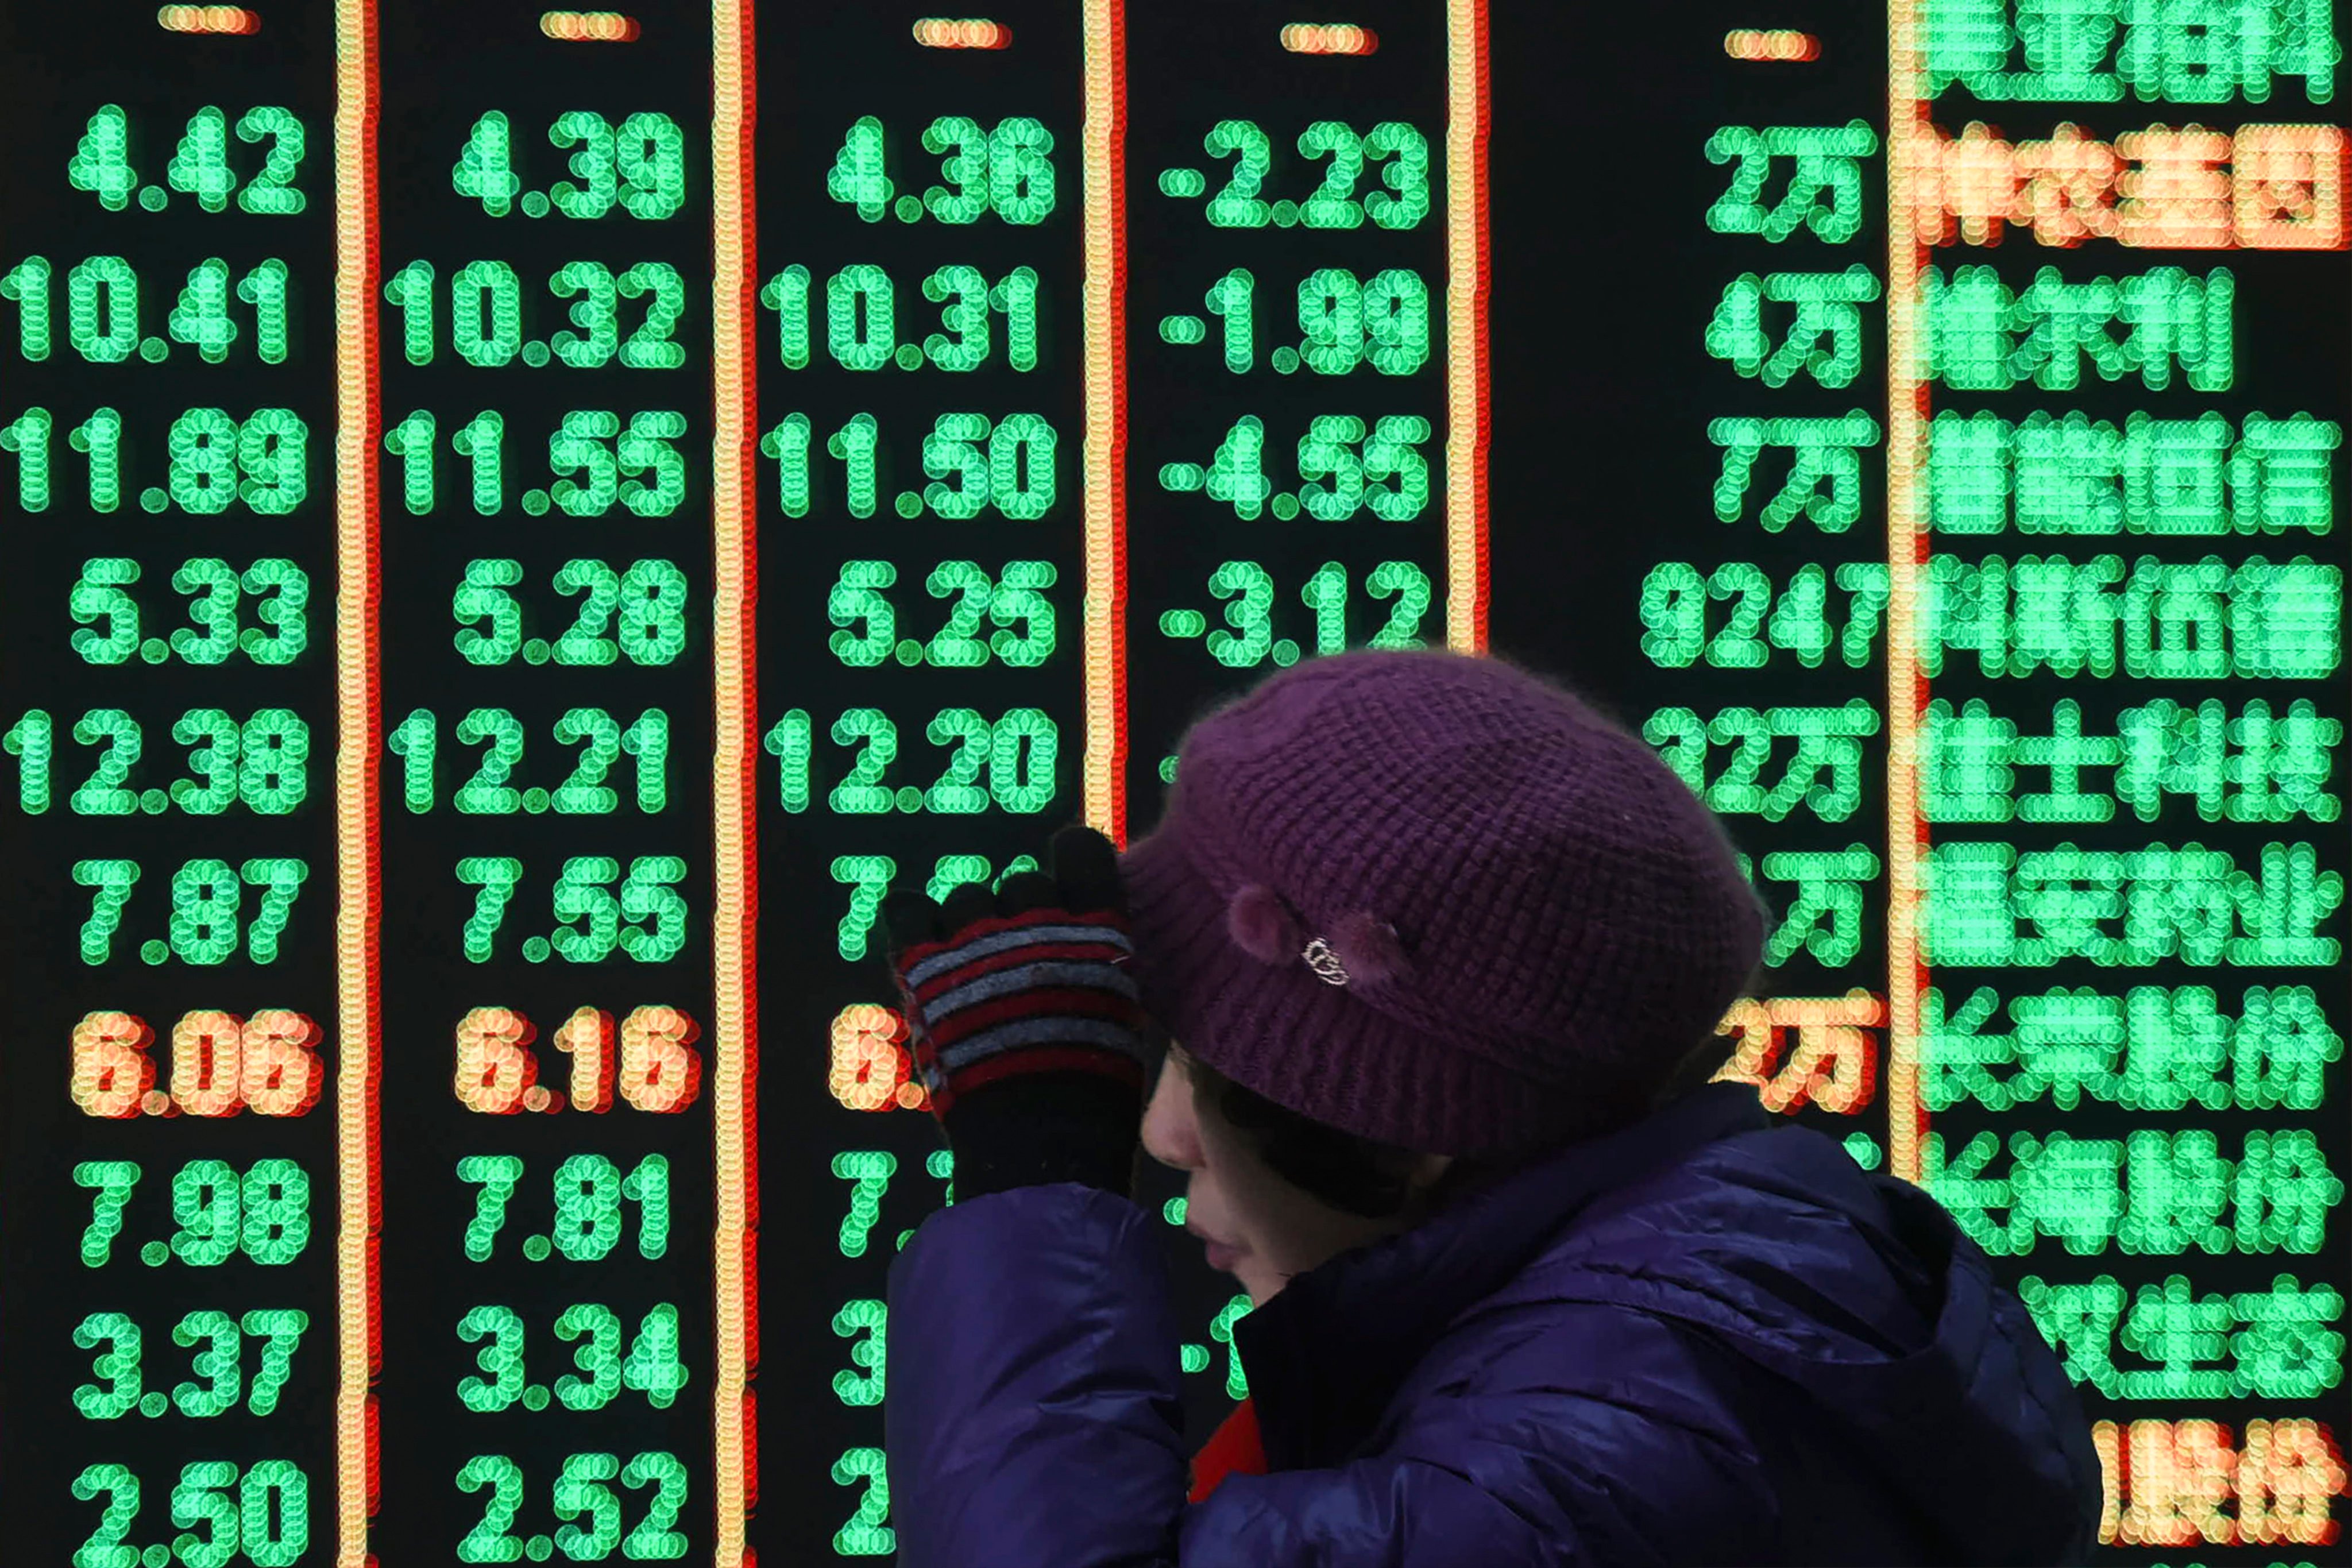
(1222,1258)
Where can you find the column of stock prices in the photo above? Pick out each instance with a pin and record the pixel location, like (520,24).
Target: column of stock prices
(522,526)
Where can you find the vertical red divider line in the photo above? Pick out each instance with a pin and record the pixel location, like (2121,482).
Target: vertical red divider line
(1103,138)
(735,1040)
(1906,556)
(359,725)
(1467,115)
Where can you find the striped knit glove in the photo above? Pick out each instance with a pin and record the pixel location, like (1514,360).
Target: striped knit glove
(1024,1022)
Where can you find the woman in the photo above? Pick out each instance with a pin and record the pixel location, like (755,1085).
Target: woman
(1442,951)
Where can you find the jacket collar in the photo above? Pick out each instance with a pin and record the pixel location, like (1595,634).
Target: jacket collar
(1326,1355)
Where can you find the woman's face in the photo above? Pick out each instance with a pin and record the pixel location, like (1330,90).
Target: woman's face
(1259,1228)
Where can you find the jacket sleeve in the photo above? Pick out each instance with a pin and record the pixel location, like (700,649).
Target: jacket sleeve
(1033,1421)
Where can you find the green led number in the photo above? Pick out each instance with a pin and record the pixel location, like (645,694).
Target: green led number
(411,441)
(411,289)
(578,448)
(266,1213)
(1015,473)
(1018,601)
(416,741)
(649,347)
(595,315)
(120,734)
(792,741)
(965,293)
(200,167)
(482,597)
(206,898)
(486,314)
(100,163)
(110,1182)
(27,436)
(1238,205)
(861,318)
(267,1518)
(1021,170)
(584,643)
(201,318)
(27,283)
(652,153)
(788,443)
(272,191)
(215,461)
(1250,595)
(498,1175)
(487,793)
(1401,203)
(1019,753)
(105,1548)
(856,443)
(482,441)
(858,175)
(118,1366)
(1406,152)
(587,1208)
(652,624)
(31,740)
(1008,171)
(260,763)
(594,162)
(102,308)
(483,169)
(1334,204)
(787,294)
(501,1359)
(590,915)
(496,875)
(489,1541)
(1384,471)
(967,171)
(579,1491)
(640,167)
(1385,319)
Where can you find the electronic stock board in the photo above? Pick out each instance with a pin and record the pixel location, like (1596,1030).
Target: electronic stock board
(520,526)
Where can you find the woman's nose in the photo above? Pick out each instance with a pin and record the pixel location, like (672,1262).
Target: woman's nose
(1170,1135)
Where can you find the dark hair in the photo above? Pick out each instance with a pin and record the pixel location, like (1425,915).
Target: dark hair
(1355,1175)
(1366,1177)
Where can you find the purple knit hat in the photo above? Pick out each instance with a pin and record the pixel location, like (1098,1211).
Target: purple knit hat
(1431,900)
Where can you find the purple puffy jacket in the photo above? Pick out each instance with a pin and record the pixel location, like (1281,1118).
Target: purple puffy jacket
(1708,1339)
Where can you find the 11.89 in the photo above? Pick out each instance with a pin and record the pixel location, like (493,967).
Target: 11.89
(214,461)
